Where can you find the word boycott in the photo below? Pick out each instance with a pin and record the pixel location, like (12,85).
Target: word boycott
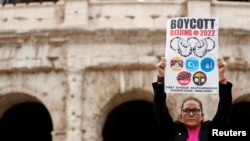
(192,23)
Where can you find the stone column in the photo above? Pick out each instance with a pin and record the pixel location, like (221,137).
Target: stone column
(74,106)
(199,8)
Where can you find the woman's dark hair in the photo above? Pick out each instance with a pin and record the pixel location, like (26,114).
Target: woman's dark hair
(194,99)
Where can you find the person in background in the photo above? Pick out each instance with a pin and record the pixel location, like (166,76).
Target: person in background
(191,125)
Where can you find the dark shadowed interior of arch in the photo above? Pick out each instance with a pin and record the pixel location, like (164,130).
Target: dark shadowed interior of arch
(132,121)
(26,122)
(240,118)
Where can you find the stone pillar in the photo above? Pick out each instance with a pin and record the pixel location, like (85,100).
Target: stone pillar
(74,107)
(199,8)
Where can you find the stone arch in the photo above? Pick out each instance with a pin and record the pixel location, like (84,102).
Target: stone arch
(135,109)
(119,98)
(25,117)
(16,95)
(241,114)
(243,98)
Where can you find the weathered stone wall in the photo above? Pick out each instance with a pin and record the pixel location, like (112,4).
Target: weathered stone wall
(81,59)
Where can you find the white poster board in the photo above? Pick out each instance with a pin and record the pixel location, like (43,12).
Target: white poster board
(191,54)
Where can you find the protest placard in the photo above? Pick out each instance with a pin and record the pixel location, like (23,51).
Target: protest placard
(191,54)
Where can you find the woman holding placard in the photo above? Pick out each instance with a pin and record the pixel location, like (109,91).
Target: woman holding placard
(191,125)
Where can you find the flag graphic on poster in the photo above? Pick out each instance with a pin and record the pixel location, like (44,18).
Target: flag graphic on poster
(191,54)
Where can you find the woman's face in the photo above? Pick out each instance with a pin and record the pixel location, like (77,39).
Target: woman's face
(191,114)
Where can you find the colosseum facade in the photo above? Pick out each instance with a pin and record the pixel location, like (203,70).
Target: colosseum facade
(78,70)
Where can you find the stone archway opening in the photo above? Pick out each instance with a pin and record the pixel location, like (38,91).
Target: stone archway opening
(26,121)
(240,117)
(132,121)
